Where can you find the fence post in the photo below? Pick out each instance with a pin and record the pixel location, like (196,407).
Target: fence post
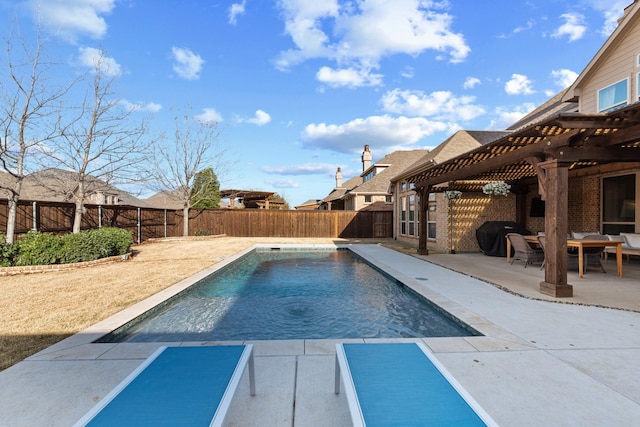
(99,216)
(139,226)
(165,223)
(35,217)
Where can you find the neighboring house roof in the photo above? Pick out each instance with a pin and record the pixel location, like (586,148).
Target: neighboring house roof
(397,162)
(57,185)
(459,143)
(339,192)
(309,204)
(165,200)
(171,200)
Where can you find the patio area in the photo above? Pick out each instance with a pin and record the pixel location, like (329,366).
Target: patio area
(541,361)
(595,288)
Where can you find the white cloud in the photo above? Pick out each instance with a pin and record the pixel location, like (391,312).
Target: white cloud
(505,117)
(471,82)
(283,183)
(71,18)
(187,64)
(305,169)
(209,115)
(407,72)
(563,77)
(94,58)
(519,85)
(150,107)
(236,10)
(348,77)
(573,27)
(261,118)
(611,10)
(441,105)
(357,35)
(387,132)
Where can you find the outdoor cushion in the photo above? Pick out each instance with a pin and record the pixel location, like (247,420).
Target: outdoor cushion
(582,234)
(633,239)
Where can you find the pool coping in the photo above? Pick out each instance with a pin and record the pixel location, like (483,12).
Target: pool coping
(82,344)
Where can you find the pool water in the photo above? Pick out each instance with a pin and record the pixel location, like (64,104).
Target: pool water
(271,295)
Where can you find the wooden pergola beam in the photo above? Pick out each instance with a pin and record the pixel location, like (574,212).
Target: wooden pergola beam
(532,150)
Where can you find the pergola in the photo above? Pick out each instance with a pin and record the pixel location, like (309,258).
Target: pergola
(251,199)
(549,152)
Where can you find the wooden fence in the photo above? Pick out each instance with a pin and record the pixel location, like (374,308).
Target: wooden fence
(146,223)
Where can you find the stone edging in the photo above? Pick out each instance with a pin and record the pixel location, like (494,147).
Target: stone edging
(29,269)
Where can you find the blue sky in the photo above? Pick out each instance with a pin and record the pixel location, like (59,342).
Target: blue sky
(299,86)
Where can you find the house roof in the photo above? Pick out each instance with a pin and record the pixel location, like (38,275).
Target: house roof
(339,192)
(165,200)
(309,204)
(57,185)
(397,161)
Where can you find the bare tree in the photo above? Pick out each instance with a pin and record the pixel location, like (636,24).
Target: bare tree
(27,113)
(101,142)
(195,146)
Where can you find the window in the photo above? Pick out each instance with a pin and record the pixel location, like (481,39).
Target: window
(619,204)
(367,199)
(403,216)
(614,96)
(431,217)
(412,215)
(388,199)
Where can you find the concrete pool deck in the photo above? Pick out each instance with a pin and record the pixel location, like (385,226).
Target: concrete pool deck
(539,363)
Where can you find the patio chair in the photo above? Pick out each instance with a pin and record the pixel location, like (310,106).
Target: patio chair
(594,255)
(402,384)
(523,251)
(542,240)
(176,386)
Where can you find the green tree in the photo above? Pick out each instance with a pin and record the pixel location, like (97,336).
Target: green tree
(205,192)
(279,199)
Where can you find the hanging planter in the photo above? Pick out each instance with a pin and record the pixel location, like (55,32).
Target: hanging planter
(496,188)
(453,195)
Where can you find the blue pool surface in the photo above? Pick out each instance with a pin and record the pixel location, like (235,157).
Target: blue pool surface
(271,295)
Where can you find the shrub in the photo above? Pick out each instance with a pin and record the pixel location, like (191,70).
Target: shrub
(95,244)
(7,252)
(37,248)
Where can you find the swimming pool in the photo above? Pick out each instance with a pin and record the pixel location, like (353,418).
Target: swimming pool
(293,294)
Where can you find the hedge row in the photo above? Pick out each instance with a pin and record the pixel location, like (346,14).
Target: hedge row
(36,248)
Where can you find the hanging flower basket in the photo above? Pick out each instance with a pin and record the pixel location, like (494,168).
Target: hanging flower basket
(496,188)
(453,195)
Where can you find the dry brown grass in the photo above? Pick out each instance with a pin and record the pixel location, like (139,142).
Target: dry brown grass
(38,310)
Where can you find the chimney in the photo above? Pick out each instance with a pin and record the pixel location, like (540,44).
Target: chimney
(366,158)
(339,178)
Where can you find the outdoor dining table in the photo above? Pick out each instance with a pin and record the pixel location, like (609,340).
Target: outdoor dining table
(580,244)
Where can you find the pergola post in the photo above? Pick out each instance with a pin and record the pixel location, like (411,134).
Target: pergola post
(556,176)
(422,218)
